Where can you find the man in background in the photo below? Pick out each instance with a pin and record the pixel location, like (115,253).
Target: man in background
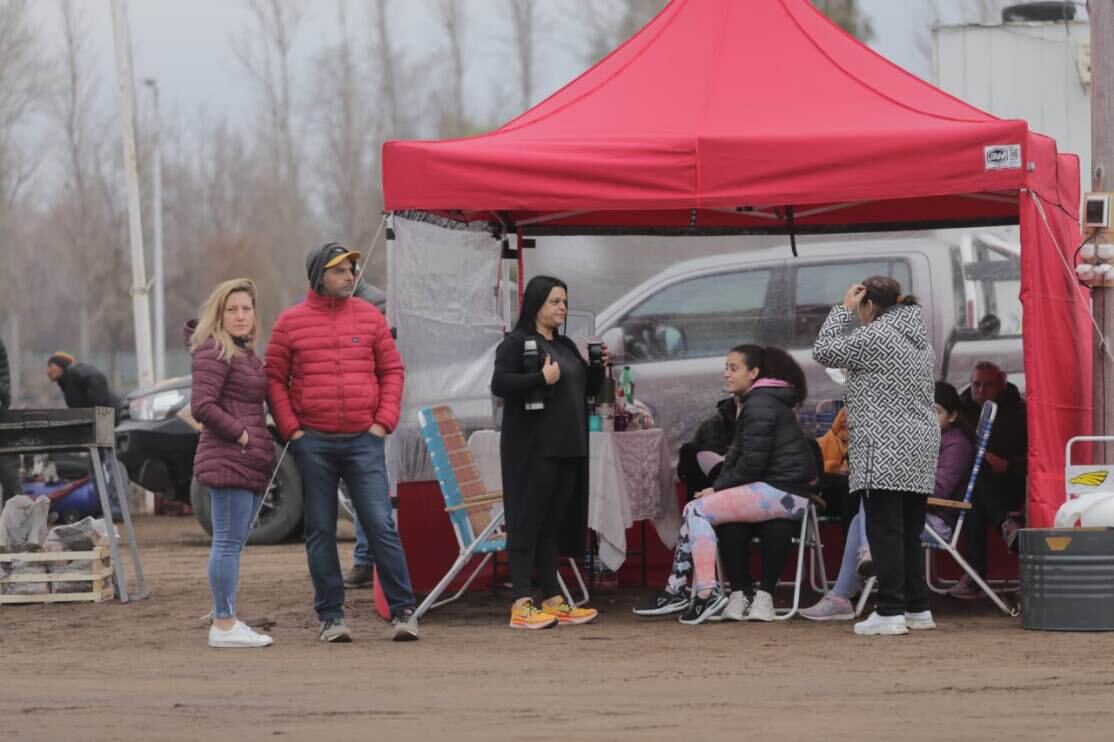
(10,484)
(1000,487)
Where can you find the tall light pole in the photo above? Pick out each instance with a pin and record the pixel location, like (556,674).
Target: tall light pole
(157,278)
(141,311)
(1101,16)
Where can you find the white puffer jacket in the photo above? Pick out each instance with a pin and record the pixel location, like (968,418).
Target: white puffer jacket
(895,437)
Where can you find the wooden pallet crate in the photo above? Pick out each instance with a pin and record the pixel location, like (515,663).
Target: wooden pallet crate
(98,575)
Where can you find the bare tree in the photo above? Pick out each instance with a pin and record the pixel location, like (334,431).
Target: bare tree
(87,212)
(523,20)
(348,131)
(611,22)
(452,121)
(265,50)
(20,77)
(848,15)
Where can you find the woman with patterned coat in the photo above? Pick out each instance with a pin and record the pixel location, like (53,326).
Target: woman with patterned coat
(895,438)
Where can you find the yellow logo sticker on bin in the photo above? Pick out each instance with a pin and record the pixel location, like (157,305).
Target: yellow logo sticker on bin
(1089,479)
(1057,543)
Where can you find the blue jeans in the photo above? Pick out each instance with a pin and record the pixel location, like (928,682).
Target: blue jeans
(233,511)
(848,583)
(361,463)
(361,557)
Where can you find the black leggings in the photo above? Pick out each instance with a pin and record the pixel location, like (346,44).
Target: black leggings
(776,546)
(534,518)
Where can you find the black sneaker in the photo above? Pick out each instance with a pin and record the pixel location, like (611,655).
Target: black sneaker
(663,603)
(701,609)
(358,576)
(334,630)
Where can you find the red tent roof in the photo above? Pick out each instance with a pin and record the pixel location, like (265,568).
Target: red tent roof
(736,110)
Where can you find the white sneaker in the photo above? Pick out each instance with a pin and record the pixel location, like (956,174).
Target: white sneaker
(737,604)
(239,636)
(762,607)
(876,625)
(919,621)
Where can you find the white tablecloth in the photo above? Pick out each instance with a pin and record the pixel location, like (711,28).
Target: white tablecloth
(630,478)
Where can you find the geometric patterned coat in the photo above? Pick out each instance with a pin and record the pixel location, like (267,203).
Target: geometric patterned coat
(895,437)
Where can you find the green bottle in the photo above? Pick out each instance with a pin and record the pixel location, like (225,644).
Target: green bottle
(626,383)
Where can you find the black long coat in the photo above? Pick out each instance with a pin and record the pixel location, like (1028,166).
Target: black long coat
(529,435)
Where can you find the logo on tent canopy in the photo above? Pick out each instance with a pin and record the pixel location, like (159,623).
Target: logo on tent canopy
(1002,156)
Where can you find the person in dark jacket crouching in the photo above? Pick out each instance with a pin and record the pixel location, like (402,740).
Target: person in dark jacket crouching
(543,447)
(235,454)
(767,474)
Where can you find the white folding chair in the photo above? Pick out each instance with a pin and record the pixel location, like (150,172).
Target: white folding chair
(950,546)
(476,514)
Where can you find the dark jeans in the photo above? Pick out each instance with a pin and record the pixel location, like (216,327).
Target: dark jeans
(894,521)
(991,502)
(534,519)
(776,542)
(360,462)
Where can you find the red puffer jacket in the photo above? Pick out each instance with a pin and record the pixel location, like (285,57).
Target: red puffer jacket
(227,398)
(332,365)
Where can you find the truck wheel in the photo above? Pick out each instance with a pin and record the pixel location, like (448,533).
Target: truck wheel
(278,518)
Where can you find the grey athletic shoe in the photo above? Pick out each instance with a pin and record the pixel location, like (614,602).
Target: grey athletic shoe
(406,626)
(334,630)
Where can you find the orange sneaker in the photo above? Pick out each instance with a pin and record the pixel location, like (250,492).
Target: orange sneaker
(565,613)
(525,615)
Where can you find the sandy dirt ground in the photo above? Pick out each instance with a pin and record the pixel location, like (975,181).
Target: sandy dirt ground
(142,671)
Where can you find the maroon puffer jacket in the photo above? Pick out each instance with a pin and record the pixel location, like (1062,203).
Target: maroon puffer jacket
(333,366)
(228,399)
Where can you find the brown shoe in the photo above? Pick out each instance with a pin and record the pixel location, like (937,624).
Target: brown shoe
(358,576)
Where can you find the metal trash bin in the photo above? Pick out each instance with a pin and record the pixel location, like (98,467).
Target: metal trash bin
(1067,579)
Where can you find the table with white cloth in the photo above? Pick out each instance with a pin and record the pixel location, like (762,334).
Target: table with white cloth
(630,479)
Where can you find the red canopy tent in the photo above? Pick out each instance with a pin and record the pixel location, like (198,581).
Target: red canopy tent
(724,117)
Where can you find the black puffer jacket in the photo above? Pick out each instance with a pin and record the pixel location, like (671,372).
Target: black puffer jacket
(769,445)
(717,432)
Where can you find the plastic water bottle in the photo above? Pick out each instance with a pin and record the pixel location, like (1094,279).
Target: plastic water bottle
(626,383)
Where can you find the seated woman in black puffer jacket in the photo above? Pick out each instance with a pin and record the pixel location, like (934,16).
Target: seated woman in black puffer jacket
(767,474)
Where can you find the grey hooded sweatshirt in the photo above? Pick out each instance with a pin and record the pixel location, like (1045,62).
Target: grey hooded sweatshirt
(895,437)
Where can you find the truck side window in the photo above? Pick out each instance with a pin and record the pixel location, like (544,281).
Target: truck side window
(697,318)
(821,286)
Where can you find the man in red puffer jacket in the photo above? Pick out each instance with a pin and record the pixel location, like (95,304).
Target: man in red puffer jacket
(334,385)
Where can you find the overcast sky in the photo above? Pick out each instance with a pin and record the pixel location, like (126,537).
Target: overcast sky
(187,47)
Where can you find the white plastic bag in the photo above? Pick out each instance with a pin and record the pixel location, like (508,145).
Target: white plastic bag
(1092,510)
(24,522)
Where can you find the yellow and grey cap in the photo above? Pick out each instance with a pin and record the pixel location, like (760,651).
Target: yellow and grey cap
(338,254)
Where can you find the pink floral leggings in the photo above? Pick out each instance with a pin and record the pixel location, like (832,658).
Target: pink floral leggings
(695,554)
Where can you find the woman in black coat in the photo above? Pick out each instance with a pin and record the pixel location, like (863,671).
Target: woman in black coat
(544,452)
(768,473)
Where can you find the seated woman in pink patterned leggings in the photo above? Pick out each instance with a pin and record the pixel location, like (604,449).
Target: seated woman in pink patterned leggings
(767,474)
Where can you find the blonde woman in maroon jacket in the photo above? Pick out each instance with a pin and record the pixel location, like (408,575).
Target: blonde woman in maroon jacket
(235,455)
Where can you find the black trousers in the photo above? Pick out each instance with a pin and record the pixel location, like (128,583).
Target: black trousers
(776,543)
(9,476)
(894,521)
(994,496)
(534,517)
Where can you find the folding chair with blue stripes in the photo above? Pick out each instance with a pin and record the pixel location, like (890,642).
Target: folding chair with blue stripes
(949,546)
(475,513)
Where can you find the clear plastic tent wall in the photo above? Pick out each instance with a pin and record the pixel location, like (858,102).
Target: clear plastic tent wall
(442,286)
